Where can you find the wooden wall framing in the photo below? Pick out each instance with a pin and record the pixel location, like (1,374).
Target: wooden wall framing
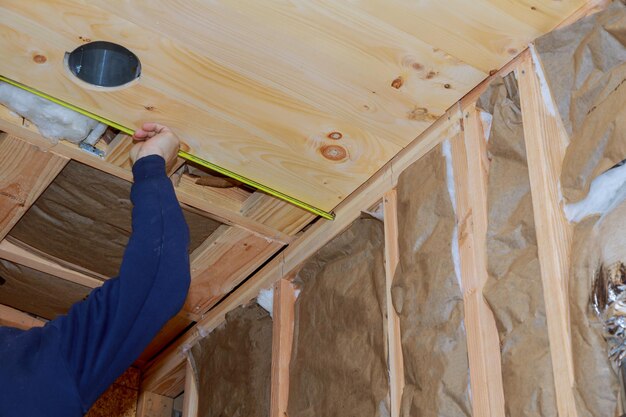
(261,227)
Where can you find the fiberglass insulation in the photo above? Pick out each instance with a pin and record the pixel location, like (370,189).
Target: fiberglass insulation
(427,296)
(514,288)
(338,363)
(84,218)
(585,67)
(233,365)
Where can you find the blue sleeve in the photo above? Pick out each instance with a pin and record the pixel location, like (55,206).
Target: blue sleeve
(103,335)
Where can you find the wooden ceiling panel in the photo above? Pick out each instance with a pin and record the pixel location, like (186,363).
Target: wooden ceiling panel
(257,87)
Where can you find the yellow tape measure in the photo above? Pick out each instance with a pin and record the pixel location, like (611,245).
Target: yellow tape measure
(182,154)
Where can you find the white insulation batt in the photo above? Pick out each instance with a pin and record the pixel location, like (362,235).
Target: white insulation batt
(54,121)
(607,191)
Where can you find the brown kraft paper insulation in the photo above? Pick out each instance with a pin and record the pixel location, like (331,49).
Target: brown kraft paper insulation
(427,296)
(36,292)
(514,288)
(596,386)
(338,363)
(585,66)
(233,366)
(84,218)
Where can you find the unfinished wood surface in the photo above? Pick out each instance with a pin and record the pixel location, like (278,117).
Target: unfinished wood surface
(282,341)
(154,405)
(265,216)
(12,317)
(471,167)
(190,402)
(222,262)
(227,206)
(18,254)
(25,172)
(396,364)
(269,103)
(546,141)
(166,368)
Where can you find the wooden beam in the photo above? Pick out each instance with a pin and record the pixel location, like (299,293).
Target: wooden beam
(12,317)
(282,341)
(20,255)
(154,405)
(396,363)
(471,167)
(25,172)
(190,402)
(230,205)
(228,211)
(546,142)
(166,368)
(222,262)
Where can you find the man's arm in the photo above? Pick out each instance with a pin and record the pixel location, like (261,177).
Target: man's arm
(103,335)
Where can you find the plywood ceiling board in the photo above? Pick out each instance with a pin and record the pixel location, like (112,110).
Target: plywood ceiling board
(483,33)
(272,133)
(258,86)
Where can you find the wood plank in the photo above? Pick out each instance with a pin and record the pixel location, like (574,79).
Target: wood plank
(168,379)
(20,255)
(282,342)
(190,403)
(12,317)
(229,211)
(396,363)
(170,331)
(276,214)
(25,172)
(222,262)
(154,405)
(482,33)
(166,368)
(471,167)
(546,141)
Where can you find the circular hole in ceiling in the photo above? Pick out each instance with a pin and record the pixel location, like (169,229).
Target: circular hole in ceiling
(103,64)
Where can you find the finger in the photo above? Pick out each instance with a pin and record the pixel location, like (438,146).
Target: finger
(155,127)
(140,134)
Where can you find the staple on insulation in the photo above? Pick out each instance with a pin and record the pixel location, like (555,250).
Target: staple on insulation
(54,121)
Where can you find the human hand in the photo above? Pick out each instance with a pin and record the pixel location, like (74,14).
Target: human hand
(155,139)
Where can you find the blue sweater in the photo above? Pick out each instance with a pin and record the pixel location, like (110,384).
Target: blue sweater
(63,367)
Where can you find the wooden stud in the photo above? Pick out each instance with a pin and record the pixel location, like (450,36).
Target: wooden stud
(190,402)
(396,363)
(546,142)
(25,172)
(154,405)
(282,341)
(12,317)
(471,167)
